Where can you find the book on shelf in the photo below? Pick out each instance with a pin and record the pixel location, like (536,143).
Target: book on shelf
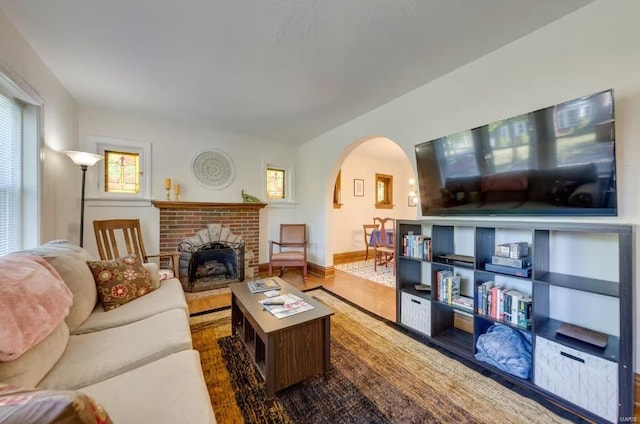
(483,294)
(449,288)
(292,305)
(463,302)
(504,304)
(525,312)
(263,285)
(440,277)
(417,246)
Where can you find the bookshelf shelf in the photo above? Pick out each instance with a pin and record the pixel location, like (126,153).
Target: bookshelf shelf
(567,284)
(593,285)
(548,328)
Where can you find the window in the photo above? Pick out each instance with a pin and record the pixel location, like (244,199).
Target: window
(19,165)
(278,184)
(122,172)
(125,171)
(384,191)
(275,183)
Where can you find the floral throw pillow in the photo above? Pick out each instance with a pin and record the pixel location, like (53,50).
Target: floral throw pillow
(21,405)
(120,281)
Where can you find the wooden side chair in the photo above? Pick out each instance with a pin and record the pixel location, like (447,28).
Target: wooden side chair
(121,237)
(368,232)
(290,250)
(384,243)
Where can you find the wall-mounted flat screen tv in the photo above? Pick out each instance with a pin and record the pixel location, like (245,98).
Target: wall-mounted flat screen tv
(559,160)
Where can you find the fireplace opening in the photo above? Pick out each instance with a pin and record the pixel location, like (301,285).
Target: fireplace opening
(211,265)
(215,261)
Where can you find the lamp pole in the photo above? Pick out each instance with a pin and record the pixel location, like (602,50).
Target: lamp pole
(84,176)
(84,160)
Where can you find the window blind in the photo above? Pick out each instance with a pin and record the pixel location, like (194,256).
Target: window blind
(11,199)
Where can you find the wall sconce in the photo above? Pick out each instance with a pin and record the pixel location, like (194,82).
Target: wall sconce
(413,197)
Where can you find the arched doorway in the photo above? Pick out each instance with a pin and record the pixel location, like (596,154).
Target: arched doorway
(359,165)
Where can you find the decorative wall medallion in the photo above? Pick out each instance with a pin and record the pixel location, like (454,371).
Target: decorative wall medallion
(214,169)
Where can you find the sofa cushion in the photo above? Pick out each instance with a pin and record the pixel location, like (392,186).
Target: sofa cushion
(19,405)
(71,263)
(167,391)
(34,364)
(33,301)
(120,281)
(93,357)
(168,296)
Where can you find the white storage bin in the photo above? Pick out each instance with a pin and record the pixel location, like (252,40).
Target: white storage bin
(586,380)
(416,313)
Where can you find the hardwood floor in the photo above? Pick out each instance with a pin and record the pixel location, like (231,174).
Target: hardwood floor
(374,297)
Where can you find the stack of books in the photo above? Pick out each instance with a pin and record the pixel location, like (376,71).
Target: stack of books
(507,305)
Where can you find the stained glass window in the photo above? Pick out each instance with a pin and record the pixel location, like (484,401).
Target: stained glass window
(275,183)
(122,172)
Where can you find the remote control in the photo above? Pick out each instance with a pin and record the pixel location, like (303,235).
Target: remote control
(273,302)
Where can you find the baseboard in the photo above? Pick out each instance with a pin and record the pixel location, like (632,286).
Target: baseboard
(320,271)
(346,257)
(313,269)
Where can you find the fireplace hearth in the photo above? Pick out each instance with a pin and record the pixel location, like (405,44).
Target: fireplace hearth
(213,258)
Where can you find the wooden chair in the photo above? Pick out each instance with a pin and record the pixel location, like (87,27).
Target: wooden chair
(368,231)
(126,233)
(383,246)
(292,248)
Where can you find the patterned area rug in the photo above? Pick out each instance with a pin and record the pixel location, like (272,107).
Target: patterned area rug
(379,375)
(206,293)
(364,269)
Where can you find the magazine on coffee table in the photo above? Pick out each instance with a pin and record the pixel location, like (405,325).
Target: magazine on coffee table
(266,284)
(291,305)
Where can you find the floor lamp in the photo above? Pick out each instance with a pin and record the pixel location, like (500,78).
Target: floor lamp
(84,160)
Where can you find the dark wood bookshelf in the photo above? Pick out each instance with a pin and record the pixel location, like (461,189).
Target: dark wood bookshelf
(544,285)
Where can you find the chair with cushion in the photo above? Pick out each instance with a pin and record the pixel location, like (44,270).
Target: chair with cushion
(368,232)
(291,250)
(117,238)
(384,243)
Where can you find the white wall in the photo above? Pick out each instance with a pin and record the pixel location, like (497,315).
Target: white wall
(355,211)
(590,50)
(61,178)
(173,148)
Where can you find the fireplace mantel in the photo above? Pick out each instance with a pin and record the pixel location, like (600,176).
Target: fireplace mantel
(164,204)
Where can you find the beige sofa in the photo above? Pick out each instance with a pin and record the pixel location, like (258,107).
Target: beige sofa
(136,360)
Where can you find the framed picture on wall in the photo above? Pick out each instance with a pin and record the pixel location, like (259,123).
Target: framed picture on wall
(358,187)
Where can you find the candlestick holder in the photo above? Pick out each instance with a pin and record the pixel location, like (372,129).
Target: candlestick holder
(177,197)
(168,194)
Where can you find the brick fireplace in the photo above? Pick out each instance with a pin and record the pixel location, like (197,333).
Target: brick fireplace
(180,220)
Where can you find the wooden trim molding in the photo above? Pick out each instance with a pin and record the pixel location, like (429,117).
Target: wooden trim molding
(313,269)
(163,204)
(346,257)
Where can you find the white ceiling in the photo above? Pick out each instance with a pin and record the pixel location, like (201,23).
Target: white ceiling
(284,70)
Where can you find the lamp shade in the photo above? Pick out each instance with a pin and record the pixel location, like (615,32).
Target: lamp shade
(83,158)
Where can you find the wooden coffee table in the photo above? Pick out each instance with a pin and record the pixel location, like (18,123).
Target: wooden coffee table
(287,350)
